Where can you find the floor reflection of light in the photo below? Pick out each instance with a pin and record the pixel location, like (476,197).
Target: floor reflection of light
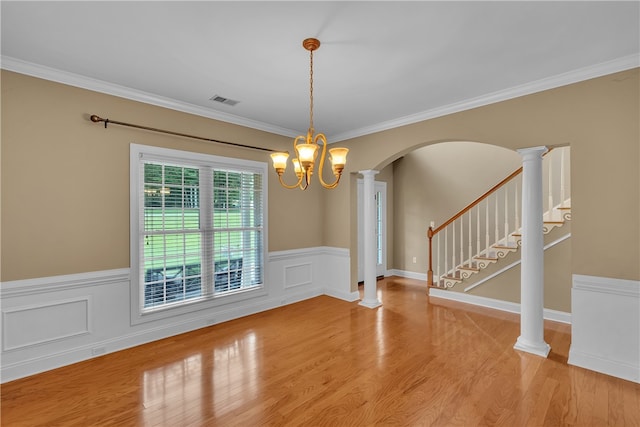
(168,388)
(235,372)
(202,385)
(380,337)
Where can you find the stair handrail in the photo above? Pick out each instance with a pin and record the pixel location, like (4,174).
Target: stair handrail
(433,231)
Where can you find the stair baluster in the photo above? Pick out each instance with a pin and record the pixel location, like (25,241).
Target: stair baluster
(549,179)
(461,240)
(486,253)
(562,171)
(477,231)
(516,207)
(446,240)
(438,262)
(453,251)
(497,226)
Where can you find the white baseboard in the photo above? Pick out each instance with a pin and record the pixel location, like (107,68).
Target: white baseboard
(408,274)
(626,371)
(345,296)
(511,307)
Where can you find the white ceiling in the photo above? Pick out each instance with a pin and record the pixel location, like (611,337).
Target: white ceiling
(380,65)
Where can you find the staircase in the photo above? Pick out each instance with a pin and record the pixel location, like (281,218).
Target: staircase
(488,229)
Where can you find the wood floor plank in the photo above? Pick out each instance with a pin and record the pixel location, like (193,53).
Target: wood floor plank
(415,361)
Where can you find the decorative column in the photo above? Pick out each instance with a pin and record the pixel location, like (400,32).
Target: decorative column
(369,240)
(531,337)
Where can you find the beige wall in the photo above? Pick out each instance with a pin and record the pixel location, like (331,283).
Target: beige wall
(433,183)
(65,180)
(598,118)
(65,186)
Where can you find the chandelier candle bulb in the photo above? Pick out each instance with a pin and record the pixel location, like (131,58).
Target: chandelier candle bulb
(307,154)
(338,158)
(280,162)
(296,167)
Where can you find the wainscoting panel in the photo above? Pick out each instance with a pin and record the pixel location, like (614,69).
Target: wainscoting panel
(55,321)
(297,275)
(605,331)
(33,325)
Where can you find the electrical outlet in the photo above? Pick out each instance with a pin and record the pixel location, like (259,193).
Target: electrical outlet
(414,260)
(96,351)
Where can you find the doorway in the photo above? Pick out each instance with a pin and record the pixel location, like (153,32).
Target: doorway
(380,190)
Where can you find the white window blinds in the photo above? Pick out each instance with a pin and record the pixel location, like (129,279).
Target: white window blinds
(200,230)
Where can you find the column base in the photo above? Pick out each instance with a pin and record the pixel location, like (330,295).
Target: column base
(539,349)
(370,303)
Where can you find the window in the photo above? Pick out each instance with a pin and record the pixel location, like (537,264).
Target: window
(196,227)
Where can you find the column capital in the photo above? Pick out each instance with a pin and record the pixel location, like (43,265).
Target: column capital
(532,152)
(369,172)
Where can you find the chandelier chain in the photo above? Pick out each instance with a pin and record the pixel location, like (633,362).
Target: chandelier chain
(311,91)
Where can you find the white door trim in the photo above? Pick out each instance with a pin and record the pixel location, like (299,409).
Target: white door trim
(381,268)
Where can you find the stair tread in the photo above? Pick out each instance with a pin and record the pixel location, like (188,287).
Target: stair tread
(564,207)
(485,258)
(469,268)
(554,222)
(504,247)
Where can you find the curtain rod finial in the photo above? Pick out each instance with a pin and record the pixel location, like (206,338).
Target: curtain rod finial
(97,119)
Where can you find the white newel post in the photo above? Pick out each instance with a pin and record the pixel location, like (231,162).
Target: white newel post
(369,239)
(531,337)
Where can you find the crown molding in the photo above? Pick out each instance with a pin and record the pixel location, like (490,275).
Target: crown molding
(76,80)
(575,76)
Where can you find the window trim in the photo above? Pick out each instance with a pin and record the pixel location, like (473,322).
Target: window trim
(195,159)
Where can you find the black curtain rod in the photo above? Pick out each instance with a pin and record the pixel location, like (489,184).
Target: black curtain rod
(98,119)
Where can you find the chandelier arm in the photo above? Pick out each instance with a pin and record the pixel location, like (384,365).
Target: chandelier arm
(300,177)
(291,187)
(334,185)
(321,137)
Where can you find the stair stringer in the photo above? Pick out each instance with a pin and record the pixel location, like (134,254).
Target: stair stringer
(501,280)
(552,220)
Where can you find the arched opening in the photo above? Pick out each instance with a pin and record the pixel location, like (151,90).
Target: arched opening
(433,182)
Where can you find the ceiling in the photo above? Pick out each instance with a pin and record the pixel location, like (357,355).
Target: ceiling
(380,64)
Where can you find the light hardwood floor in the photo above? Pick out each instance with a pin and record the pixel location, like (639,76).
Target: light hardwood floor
(415,361)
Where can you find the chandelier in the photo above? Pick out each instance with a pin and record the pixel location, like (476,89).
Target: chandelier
(306,146)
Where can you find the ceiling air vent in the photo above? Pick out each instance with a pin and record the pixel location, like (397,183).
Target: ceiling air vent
(223,100)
